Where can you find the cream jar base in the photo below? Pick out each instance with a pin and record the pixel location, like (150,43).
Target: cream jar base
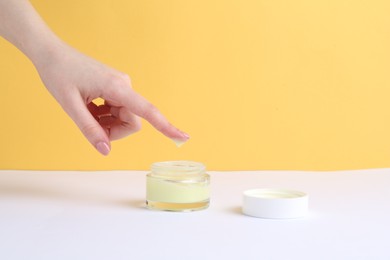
(178,207)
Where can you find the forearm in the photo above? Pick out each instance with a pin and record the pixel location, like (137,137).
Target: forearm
(21,25)
(75,80)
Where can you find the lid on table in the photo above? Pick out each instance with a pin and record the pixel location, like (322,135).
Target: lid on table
(275,203)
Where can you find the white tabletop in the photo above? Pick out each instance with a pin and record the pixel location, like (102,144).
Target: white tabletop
(101,215)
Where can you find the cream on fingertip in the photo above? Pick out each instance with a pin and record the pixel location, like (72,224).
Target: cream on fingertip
(178,142)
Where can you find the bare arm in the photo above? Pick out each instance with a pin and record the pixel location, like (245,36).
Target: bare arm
(75,80)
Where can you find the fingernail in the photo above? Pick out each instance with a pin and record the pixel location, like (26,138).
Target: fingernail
(103,148)
(185,135)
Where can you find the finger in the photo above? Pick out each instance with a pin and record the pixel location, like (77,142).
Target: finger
(103,110)
(108,121)
(91,129)
(98,110)
(138,105)
(129,123)
(146,110)
(93,108)
(121,122)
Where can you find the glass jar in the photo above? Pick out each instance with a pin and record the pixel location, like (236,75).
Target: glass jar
(177,186)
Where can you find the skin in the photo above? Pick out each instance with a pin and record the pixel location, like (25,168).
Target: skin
(75,80)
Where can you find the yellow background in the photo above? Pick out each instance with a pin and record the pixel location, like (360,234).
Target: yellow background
(257,84)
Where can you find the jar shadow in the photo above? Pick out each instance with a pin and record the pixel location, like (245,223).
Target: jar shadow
(235,210)
(137,204)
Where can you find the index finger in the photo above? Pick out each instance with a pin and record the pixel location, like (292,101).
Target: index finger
(138,105)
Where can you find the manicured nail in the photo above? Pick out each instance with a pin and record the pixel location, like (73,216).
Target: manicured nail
(185,135)
(103,148)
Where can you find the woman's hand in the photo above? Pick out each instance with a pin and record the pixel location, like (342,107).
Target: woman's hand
(75,80)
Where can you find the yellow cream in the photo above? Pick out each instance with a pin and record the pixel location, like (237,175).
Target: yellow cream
(176,192)
(177,186)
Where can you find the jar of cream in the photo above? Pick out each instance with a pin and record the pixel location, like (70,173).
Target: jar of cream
(177,186)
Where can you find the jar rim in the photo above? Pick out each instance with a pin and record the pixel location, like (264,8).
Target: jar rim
(178,166)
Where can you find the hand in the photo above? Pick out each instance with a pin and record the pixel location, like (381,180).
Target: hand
(75,80)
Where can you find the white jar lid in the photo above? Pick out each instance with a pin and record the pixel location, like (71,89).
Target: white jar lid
(275,203)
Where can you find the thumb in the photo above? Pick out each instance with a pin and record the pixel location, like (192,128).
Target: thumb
(91,129)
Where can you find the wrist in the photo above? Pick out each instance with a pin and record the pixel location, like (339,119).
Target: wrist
(21,25)
(42,52)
